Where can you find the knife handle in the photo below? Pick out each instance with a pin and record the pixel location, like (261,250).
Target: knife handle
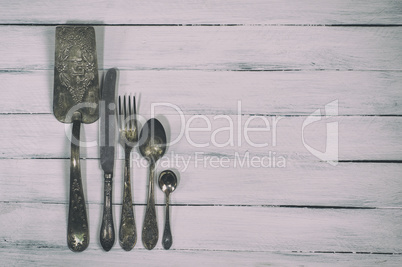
(77,227)
(127,232)
(107,236)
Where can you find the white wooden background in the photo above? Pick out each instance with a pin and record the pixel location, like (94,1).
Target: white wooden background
(283,58)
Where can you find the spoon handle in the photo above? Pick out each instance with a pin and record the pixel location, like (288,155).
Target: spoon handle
(127,231)
(167,238)
(150,232)
(77,227)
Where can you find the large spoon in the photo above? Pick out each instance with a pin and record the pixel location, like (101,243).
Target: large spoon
(152,147)
(167,183)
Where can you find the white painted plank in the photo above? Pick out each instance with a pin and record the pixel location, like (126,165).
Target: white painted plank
(33,192)
(140,257)
(359,138)
(221,228)
(301,184)
(202,92)
(198,11)
(216,48)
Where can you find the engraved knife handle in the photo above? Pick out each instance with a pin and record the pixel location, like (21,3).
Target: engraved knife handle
(127,232)
(167,238)
(77,227)
(107,236)
(150,232)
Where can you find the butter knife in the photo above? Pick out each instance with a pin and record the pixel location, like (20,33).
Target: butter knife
(107,143)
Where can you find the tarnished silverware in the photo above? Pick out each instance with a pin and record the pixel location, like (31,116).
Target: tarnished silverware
(128,138)
(107,143)
(152,147)
(75,100)
(167,183)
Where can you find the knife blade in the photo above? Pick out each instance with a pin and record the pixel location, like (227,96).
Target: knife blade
(108,122)
(107,143)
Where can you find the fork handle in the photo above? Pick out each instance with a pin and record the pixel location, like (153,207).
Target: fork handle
(127,231)
(107,229)
(77,227)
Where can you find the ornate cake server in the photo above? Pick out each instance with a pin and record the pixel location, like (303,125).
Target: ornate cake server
(75,100)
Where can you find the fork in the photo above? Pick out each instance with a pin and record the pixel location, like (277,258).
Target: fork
(128,138)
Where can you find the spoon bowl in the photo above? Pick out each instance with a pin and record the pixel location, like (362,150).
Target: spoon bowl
(153,140)
(167,181)
(152,147)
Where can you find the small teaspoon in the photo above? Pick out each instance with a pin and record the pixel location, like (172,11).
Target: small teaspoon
(167,183)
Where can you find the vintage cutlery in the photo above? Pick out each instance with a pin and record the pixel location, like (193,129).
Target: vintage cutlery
(152,147)
(75,100)
(107,142)
(128,138)
(167,183)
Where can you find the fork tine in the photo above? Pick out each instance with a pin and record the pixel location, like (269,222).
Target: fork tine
(125,112)
(129,113)
(134,114)
(120,114)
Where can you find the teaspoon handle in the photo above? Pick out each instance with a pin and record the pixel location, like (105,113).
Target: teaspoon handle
(107,236)
(150,232)
(77,227)
(127,231)
(167,238)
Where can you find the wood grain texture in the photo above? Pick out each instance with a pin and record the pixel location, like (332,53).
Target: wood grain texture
(243,48)
(203,12)
(53,257)
(201,92)
(298,184)
(279,58)
(360,138)
(32,226)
